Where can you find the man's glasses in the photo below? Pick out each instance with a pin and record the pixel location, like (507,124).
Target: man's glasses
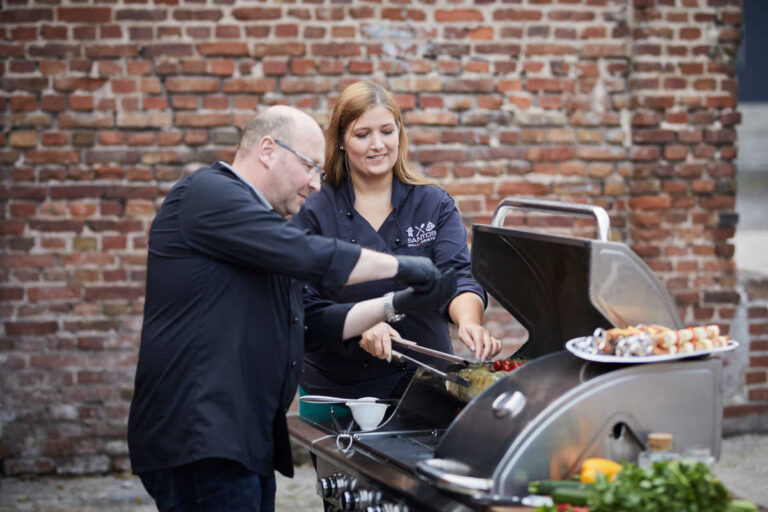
(315,166)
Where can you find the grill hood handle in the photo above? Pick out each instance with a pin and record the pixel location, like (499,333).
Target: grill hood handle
(543,205)
(452,475)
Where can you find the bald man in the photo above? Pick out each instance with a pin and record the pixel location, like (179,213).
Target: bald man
(222,339)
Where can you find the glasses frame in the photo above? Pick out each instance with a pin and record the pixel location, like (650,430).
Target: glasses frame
(316,168)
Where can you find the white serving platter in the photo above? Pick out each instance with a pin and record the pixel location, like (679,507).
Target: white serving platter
(573,347)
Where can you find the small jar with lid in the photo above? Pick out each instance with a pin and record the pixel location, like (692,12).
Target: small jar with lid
(660,447)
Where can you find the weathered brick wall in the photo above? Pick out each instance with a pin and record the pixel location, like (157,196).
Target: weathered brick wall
(629,105)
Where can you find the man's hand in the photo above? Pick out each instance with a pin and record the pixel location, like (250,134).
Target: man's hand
(415,270)
(427,296)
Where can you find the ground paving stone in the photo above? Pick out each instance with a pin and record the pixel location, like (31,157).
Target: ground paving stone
(742,468)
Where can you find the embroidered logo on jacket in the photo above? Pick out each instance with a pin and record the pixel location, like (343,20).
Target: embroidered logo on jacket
(421,233)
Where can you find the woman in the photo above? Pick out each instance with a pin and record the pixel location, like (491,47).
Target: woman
(371,197)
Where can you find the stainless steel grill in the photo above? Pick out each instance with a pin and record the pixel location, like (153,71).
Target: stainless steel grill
(543,419)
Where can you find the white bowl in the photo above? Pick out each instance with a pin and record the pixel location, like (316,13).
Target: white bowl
(368,415)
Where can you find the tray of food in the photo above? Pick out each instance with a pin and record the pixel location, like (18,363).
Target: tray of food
(649,344)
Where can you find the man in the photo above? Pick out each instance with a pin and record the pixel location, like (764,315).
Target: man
(222,340)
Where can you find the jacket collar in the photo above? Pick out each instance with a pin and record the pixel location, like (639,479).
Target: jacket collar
(225,166)
(399,193)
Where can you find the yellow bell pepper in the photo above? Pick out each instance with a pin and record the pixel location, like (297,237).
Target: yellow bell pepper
(591,467)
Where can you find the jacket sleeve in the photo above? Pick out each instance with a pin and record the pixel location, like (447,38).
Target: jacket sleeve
(221,217)
(324,321)
(451,251)
(323,318)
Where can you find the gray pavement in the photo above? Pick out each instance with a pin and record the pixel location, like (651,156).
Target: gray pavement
(742,467)
(751,239)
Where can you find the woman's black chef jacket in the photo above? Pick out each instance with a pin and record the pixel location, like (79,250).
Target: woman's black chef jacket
(424,222)
(223,334)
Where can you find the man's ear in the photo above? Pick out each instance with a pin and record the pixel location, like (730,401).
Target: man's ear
(266,152)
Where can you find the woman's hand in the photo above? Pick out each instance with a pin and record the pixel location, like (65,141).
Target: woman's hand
(377,342)
(478,339)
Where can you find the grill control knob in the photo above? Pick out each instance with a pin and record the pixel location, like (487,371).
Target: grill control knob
(332,486)
(360,499)
(388,507)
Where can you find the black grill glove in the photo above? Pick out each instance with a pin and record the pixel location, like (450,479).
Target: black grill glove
(427,297)
(415,270)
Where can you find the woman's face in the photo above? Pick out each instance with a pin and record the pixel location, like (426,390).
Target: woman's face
(372,142)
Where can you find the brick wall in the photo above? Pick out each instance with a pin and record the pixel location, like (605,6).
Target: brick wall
(630,105)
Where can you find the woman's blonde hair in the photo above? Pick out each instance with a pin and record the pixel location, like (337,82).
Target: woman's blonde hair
(352,103)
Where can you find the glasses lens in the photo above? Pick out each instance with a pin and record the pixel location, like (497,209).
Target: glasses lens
(315,166)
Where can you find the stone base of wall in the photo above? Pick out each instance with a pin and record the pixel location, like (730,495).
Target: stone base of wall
(746,370)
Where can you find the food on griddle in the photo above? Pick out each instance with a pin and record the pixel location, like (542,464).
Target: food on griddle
(481,376)
(507,365)
(647,340)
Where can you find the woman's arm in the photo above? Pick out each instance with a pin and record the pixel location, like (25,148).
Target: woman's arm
(466,311)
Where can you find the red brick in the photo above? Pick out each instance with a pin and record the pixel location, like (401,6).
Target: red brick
(185,119)
(337,49)
(227,32)
(398,14)
(256,13)
(758,395)
(197,14)
(30,329)
(223,49)
(690,33)
(249,85)
(737,411)
(458,15)
(523,189)
(516,15)
(549,84)
(84,14)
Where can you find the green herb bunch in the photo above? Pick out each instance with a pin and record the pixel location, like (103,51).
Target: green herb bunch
(666,486)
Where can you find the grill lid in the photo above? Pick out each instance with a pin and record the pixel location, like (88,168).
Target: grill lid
(561,287)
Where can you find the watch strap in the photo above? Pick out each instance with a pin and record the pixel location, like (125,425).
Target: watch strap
(389,309)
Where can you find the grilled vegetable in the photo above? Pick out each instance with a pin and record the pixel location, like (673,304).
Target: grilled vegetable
(570,495)
(591,467)
(741,506)
(546,487)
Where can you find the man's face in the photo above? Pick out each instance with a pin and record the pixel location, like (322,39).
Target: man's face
(295,179)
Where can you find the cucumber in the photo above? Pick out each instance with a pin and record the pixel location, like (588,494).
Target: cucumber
(546,487)
(570,495)
(741,506)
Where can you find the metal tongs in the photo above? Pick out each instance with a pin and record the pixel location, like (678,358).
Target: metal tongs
(411,345)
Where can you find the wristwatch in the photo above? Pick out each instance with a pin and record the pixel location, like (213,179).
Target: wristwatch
(389,309)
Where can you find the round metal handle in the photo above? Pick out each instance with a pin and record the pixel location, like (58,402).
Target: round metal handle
(508,404)
(508,203)
(438,471)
